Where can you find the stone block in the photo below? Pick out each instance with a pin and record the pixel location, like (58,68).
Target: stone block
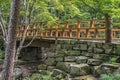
(73,42)
(79,69)
(67,46)
(83,46)
(65,66)
(92,44)
(86,77)
(103,57)
(94,62)
(105,68)
(60,53)
(50,55)
(59,59)
(70,58)
(90,49)
(73,53)
(98,50)
(117,49)
(99,45)
(50,68)
(76,47)
(87,54)
(57,72)
(50,61)
(81,59)
(60,42)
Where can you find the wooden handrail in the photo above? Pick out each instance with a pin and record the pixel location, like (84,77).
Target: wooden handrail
(79,29)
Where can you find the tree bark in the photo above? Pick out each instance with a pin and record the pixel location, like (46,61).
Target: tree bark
(10,49)
(108,32)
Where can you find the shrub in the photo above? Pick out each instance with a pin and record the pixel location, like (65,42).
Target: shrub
(110,77)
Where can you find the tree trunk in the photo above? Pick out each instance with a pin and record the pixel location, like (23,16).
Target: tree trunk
(108,32)
(10,50)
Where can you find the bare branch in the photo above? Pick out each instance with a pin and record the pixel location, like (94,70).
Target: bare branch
(30,41)
(3,27)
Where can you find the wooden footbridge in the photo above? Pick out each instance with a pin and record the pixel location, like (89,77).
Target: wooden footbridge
(77,29)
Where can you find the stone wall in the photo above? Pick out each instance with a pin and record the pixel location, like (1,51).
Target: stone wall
(79,58)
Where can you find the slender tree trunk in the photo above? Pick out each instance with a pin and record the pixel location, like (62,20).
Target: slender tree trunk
(10,50)
(108,32)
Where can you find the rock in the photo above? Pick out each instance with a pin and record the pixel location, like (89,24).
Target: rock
(50,68)
(73,42)
(18,72)
(73,53)
(60,53)
(112,66)
(65,66)
(60,42)
(86,54)
(79,69)
(59,59)
(92,44)
(58,47)
(108,48)
(117,49)
(96,70)
(42,67)
(106,68)
(94,62)
(50,61)
(67,46)
(86,77)
(57,72)
(83,47)
(98,50)
(76,48)
(70,58)
(81,59)
(103,57)
(50,55)
(90,49)
(99,45)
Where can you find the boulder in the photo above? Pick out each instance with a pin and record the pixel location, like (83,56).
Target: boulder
(57,72)
(65,66)
(106,68)
(79,69)
(18,72)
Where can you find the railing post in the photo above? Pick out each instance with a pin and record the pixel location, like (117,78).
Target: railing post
(78,30)
(92,24)
(66,24)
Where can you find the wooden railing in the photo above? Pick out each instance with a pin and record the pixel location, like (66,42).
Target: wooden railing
(79,29)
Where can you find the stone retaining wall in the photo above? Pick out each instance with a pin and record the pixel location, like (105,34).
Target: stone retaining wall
(79,58)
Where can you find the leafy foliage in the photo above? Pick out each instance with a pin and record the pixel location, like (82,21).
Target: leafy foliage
(110,77)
